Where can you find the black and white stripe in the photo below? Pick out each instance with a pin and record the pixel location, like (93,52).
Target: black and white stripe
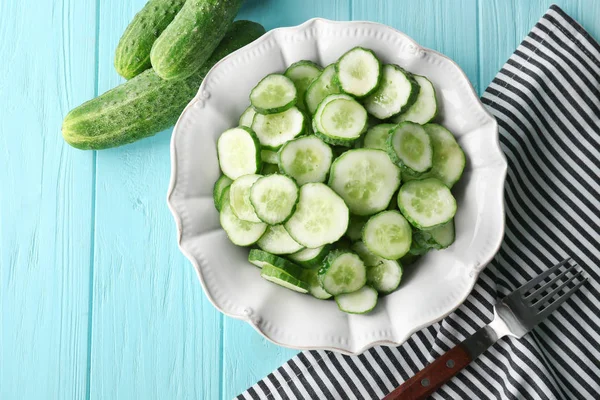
(547,102)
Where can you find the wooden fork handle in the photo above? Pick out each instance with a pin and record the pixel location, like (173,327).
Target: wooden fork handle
(440,371)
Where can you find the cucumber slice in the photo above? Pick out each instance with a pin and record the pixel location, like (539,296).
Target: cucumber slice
(274,94)
(269,169)
(377,136)
(238,150)
(269,156)
(320,88)
(241,233)
(382,275)
(387,235)
(321,216)
(309,258)
(426,203)
(355,227)
(276,240)
(239,197)
(247,117)
(273,130)
(437,238)
(317,117)
(342,272)
(281,278)
(365,254)
(409,146)
(359,302)
(262,259)
(274,198)
(306,159)
(314,287)
(397,91)
(366,179)
(424,109)
(302,73)
(342,121)
(358,72)
(220,185)
(448,158)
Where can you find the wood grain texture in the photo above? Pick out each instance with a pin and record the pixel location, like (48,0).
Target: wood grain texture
(48,59)
(83,233)
(154,333)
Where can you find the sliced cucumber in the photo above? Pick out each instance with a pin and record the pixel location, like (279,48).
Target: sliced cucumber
(366,179)
(273,130)
(393,201)
(355,227)
(269,156)
(262,259)
(409,146)
(437,238)
(358,72)
(239,198)
(314,286)
(341,121)
(281,278)
(317,117)
(269,169)
(306,159)
(274,94)
(397,91)
(448,158)
(241,233)
(365,254)
(342,272)
(309,258)
(320,88)
(220,185)
(276,240)
(302,73)
(387,235)
(247,117)
(377,136)
(321,216)
(238,150)
(383,275)
(424,109)
(274,198)
(426,203)
(359,302)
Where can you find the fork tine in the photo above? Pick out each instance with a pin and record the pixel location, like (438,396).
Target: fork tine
(561,275)
(548,296)
(553,306)
(543,275)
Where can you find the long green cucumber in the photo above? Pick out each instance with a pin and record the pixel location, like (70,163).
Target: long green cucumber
(132,56)
(146,104)
(189,40)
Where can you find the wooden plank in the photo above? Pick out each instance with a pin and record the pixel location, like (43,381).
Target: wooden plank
(155,335)
(247,356)
(48,58)
(497,42)
(448,26)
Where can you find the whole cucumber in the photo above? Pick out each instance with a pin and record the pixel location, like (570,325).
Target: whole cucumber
(146,104)
(132,56)
(189,40)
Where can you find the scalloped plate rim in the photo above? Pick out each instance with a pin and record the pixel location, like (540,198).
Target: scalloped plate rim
(474,275)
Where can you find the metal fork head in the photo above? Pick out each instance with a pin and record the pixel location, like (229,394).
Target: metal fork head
(535,300)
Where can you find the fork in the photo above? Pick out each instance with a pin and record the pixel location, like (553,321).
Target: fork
(514,315)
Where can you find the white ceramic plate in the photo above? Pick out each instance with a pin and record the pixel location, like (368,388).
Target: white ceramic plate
(430,289)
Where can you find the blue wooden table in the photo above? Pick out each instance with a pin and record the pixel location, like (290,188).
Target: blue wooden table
(96,301)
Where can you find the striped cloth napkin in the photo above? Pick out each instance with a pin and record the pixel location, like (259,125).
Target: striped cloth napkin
(547,102)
